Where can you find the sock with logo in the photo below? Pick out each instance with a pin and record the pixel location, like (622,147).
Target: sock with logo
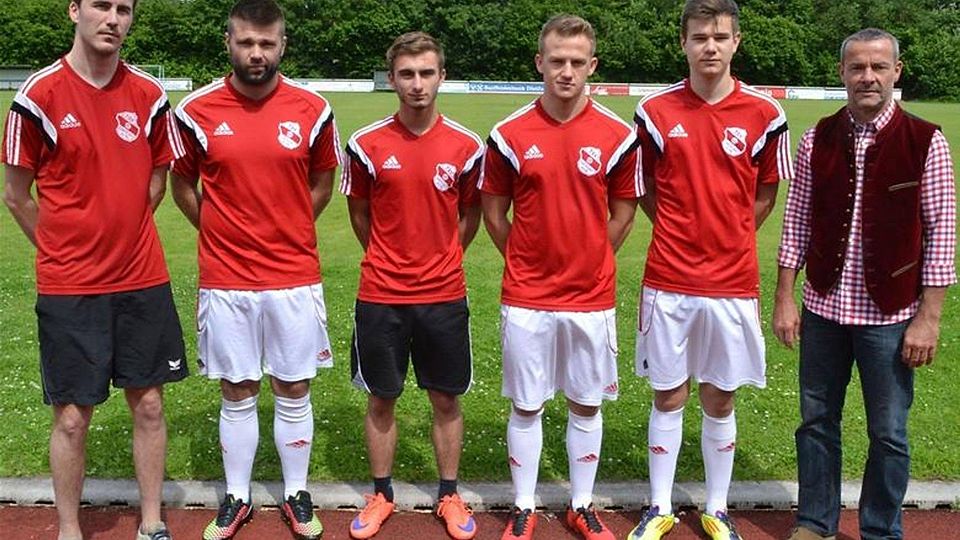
(384,485)
(239,436)
(293,435)
(663,446)
(446,487)
(524,444)
(584,438)
(718,441)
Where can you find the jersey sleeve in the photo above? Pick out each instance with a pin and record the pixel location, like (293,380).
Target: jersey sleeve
(499,170)
(774,162)
(189,135)
(624,176)
(163,146)
(324,143)
(470,177)
(357,175)
(23,141)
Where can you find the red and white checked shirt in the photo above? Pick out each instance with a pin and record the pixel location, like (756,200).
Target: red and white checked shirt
(849,302)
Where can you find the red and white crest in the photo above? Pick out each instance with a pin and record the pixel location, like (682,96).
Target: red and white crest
(734,141)
(445,177)
(589,161)
(289,135)
(128,126)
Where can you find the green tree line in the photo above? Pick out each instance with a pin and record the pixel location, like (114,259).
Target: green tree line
(784,41)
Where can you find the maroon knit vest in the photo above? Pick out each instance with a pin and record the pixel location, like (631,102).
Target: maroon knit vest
(892,231)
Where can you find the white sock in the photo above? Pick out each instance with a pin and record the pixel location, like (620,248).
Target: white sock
(239,436)
(718,440)
(293,435)
(663,438)
(524,443)
(584,438)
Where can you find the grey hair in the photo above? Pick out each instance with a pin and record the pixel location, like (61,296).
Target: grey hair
(871,34)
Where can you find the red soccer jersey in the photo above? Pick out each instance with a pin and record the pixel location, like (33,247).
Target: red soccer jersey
(254,159)
(416,186)
(92,151)
(706,162)
(560,177)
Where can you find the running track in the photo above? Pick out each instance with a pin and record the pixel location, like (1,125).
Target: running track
(105,523)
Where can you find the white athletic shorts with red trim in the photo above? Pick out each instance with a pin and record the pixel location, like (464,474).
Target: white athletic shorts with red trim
(243,334)
(710,340)
(570,351)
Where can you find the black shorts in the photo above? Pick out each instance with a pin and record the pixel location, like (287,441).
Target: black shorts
(436,336)
(132,338)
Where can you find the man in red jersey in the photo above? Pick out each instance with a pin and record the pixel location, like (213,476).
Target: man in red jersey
(569,167)
(265,151)
(414,206)
(714,151)
(104,307)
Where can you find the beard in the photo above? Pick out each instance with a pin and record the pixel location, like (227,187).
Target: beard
(269,71)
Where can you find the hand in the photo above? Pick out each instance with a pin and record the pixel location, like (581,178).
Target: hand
(786,320)
(920,342)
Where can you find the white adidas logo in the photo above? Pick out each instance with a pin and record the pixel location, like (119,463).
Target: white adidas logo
(69,122)
(392,163)
(677,131)
(222,130)
(533,153)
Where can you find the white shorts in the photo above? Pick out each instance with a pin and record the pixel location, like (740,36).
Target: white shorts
(243,334)
(546,351)
(711,340)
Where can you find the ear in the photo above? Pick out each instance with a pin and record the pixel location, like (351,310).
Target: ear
(73,10)
(538,61)
(226,41)
(283,46)
(443,75)
(593,66)
(897,69)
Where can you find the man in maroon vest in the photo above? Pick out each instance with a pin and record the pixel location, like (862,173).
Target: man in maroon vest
(872,214)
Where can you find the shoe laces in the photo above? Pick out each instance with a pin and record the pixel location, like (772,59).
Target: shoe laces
(520,519)
(373,502)
(725,519)
(590,517)
(301,506)
(228,510)
(453,503)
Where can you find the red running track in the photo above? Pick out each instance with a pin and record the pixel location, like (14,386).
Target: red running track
(39,523)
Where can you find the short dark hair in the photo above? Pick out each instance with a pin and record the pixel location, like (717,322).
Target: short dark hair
(709,9)
(258,12)
(78,2)
(568,26)
(871,34)
(414,43)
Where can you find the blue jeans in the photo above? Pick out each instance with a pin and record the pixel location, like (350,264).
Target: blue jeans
(828,352)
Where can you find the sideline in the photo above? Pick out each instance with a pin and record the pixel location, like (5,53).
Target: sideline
(767,495)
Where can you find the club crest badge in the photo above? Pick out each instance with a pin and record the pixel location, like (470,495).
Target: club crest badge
(734,141)
(589,162)
(289,136)
(128,126)
(445,177)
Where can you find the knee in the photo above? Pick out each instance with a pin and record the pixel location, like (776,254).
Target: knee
(586,411)
(671,400)
(72,420)
(294,390)
(147,407)
(716,402)
(445,406)
(380,408)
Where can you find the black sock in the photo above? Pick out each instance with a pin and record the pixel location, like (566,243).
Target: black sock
(384,485)
(447,487)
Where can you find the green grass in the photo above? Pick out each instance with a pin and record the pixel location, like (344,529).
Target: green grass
(766,418)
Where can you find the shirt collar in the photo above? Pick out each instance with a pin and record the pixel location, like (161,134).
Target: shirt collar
(877,123)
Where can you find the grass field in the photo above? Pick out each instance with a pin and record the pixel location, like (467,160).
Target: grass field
(766,418)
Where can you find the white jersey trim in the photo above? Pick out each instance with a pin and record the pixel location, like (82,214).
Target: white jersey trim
(648,125)
(502,147)
(477,156)
(158,104)
(48,127)
(184,116)
(346,177)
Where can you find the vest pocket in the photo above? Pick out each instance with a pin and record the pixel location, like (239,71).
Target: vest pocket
(903,269)
(903,185)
